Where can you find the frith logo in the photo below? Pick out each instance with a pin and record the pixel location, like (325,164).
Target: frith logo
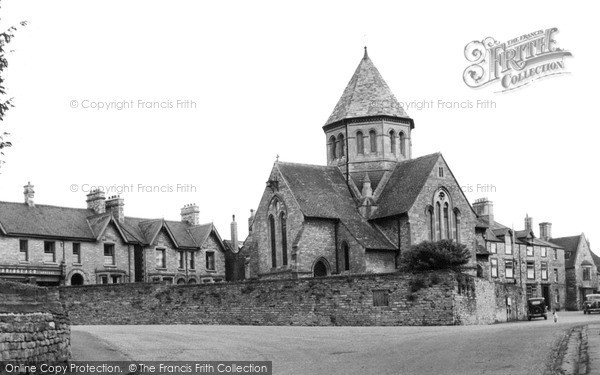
(515,63)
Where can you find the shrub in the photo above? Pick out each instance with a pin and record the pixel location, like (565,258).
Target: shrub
(441,255)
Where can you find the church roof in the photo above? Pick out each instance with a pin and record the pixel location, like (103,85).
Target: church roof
(322,192)
(366,95)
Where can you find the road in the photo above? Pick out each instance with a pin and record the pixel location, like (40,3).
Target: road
(511,348)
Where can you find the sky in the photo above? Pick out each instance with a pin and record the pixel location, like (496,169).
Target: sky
(180,102)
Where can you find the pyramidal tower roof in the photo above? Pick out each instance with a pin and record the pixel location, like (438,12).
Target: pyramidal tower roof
(366,95)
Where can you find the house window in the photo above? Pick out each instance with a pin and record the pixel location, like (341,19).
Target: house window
(441,171)
(333,147)
(373,141)
(161,259)
(457,225)
(556,275)
(103,279)
(402,144)
(556,296)
(544,252)
(109,254)
(393,142)
(283,223)
(529,251)
(544,271)
(531,270)
(360,143)
(381,298)
(346,251)
(531,291)
(116,279)
(341,145)
(508,269)
(181,259)
(273,241)
(192,260)
(494,267)
(76,252)
(493,248)
(508,248)
(555,254)
(210,260)
(23,250)
(587,273)
(49,251)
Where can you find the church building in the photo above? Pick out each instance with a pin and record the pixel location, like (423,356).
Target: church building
(370,203)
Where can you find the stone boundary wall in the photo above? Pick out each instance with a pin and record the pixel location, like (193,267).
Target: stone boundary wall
(34,327)
(360,300)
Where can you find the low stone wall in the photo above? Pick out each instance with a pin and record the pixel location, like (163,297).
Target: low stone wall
(384,299)
(33,325)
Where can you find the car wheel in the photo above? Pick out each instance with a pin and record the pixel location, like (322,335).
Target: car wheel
(545,317)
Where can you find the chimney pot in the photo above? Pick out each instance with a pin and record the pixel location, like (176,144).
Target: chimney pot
(29,194)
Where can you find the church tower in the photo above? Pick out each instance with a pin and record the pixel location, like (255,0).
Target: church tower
(368,131)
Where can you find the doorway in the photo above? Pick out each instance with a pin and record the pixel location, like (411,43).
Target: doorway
(546,295)
(138,263)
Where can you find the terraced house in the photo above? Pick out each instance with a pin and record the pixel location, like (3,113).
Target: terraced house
(52,245)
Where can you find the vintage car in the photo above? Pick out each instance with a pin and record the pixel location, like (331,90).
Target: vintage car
(592,303)
(536,308)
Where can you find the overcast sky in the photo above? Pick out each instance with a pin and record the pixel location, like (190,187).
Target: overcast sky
(261,78)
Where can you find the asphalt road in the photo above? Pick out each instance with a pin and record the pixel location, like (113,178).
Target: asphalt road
(511,348)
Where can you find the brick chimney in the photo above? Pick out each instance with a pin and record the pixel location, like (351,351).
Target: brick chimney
(190,213)
(546,231)
(528,222)
(96,201)
(28,193)
(234,235)
(250,220)
(484,208)
(115,205)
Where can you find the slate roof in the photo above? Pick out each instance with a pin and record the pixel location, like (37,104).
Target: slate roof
(367,94)
(571,244)
(321,192)
(404,186)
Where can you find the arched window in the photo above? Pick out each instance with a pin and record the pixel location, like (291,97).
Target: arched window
(360,143)
(273,241)
(346,251)
(457,224)
(438,226)
(430,223)
(320,269)
(373,140)
(402,144)
(393,142)
(341,146)
(446,221)
(333,148)
(283,224)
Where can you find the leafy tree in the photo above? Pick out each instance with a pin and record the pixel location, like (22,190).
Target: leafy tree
(5,103)
(441,255)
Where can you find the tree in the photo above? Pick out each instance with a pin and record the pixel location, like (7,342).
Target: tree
(441,255)
(5,103)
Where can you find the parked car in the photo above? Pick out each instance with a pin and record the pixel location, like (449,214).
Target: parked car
(536,308)
(592,303)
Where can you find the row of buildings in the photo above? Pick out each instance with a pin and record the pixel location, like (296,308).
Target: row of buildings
(357,214)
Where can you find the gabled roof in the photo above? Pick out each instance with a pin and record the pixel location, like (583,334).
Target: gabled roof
(367,94)
(322,192)
(571,244)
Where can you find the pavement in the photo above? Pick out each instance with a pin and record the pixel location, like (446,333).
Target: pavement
(593,348)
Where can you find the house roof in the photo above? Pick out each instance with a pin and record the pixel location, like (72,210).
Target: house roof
(571,244)
(322,192)
(367,94)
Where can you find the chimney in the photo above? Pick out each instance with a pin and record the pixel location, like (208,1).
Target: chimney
(234,235)
(115,205)
(96,201)
(250,220)
(528,222)
(28,193)
(546,231)
(485,209)
(190,213)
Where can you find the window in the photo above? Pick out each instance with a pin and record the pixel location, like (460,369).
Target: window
(76,252)
(192,260)
(446,221)
(544,252)
(210,260)
(161,260)
(508,248)
(531,291)
(494,267)
(556,296)
(332,146)
(373,140)
(167,280)
(555,254)
(493,248)
(109,254)
(381,298)
(544,271)
(273,241)
(49,251)
(508,269)
(567,254)
(341,146)
(346,251)
(529,251)
(438,214)
(283,223)
(402,144)
(116,279)
(393,142)
(457,225)
(23,250)
(181,259)
(587,273)
(360,143)
(441,171)
(556,275)
(430,222)
(103,279)
(531,270)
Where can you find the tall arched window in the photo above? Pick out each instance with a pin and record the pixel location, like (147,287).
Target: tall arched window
(333,148)
(402,144)
(438,226)
(446,221)
(373,140)
(430,222)
(341,145)
(283,224)
(346,251)
(457,224)
(272,234)
(393,141)
(360,143)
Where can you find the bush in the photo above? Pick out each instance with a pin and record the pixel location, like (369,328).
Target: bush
(441,255)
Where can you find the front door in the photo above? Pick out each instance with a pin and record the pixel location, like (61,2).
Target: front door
(546,295)
(138,263)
